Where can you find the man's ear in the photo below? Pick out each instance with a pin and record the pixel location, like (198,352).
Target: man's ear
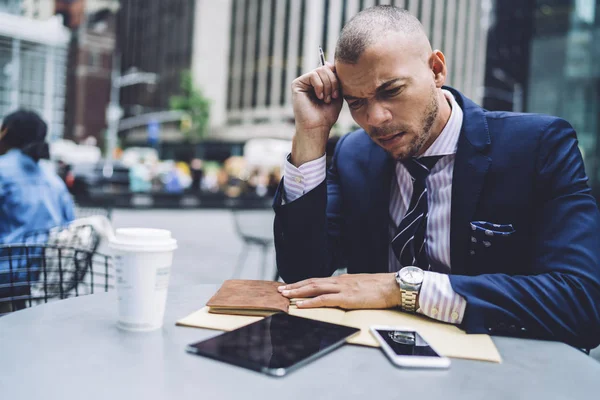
(437,63)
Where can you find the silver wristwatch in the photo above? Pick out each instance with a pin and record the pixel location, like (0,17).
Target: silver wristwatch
(409,279)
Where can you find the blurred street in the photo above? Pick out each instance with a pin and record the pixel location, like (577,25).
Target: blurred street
(209,246)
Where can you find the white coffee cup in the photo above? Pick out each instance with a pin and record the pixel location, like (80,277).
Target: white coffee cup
(142,259)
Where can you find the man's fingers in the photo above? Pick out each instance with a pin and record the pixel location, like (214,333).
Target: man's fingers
(312,290)
(325,74)
(305,282)
(325,300)
(295,285)
(334,83)
(322,81)
(317,83)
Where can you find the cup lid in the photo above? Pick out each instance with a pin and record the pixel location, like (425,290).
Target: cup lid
(143,239)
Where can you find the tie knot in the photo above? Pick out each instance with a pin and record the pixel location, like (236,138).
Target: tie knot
(419,168)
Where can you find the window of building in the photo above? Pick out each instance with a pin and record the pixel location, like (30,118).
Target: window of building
(94,59)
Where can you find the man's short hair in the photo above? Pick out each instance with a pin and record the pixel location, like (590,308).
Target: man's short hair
(369,25)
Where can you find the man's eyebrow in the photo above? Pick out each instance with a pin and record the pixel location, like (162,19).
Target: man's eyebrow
(348,97)
(379,89)
(387,84)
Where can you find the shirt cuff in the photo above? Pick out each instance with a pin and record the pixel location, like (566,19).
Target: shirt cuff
(301,180)
(439,301)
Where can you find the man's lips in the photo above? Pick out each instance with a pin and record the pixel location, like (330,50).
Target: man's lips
(391,138)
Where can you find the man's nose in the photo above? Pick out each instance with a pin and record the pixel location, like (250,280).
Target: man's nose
(378,115)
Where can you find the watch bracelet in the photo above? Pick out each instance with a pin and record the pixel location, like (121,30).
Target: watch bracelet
(409,300)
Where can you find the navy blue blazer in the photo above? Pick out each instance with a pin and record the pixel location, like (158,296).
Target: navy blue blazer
(524,170)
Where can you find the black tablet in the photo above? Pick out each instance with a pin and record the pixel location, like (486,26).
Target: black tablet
(275,345)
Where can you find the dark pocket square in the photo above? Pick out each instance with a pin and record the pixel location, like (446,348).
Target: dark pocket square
(489,229)
(492,246)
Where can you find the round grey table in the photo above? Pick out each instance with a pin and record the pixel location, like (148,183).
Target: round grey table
(72,349)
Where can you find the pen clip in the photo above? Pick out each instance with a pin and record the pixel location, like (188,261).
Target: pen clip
(321,56)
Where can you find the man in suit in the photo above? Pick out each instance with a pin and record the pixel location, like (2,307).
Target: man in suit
(436,206)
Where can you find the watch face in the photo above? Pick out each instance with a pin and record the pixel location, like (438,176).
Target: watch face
(412,275)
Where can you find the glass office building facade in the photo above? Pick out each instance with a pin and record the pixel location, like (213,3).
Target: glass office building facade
(33,68)
(543,57)
(564,72)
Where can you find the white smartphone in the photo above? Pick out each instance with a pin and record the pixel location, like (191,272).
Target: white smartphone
(406,348)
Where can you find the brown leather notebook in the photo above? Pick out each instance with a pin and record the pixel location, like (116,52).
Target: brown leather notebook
(248,297)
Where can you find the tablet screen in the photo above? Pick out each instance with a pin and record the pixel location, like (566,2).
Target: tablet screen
(275,345)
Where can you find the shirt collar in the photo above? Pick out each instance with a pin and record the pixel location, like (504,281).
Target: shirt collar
(447,142)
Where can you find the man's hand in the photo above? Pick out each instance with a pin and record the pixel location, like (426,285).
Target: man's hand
(317,102)
(352,291)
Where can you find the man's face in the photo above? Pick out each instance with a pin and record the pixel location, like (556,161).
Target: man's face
(392,94)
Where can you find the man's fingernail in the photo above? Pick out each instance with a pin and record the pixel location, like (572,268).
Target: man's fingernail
(299,303)
(328,99)
(285,293)
(280,288)
(335,94)
(320,95)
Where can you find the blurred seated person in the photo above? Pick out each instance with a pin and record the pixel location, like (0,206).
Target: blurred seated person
(197,171)
(140,177)
(32,195)
(184,174)
(172,180)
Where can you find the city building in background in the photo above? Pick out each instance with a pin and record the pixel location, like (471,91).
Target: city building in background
(34,9)
(543,58)
(155,36)
(33,57)
(90,61)
(265,57)
(244,54)
(508,55)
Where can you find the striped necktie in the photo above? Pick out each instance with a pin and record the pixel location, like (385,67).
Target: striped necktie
(409,242)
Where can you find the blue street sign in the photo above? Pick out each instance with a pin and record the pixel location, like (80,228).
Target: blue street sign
(153,132)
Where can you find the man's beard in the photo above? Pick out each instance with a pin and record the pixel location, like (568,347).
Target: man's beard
(430,115)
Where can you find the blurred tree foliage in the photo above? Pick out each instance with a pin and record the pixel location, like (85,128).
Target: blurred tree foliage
(192,101)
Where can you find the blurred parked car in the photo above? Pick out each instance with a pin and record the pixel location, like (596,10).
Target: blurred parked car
(92,180)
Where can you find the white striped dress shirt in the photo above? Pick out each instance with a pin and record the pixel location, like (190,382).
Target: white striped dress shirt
(436,299)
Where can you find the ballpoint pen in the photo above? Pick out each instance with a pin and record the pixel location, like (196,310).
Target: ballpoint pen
(321,56)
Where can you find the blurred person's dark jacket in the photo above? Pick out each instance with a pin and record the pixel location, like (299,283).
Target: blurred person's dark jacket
(197,175)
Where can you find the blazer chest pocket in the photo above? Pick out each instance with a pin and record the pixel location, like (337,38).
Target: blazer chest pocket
(491,243)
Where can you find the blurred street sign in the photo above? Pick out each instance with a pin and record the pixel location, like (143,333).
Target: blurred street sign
(135,77)
(153,132)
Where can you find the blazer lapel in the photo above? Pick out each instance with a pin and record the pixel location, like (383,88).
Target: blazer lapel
(470,167)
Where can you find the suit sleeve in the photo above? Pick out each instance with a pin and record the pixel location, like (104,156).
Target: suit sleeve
(307,230)
(561,299)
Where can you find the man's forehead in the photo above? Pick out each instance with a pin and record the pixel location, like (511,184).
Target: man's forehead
(359,81)
(391,57)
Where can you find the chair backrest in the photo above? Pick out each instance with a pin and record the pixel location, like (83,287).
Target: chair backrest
(253,223)
(31,274)
(84,212)
(83,237)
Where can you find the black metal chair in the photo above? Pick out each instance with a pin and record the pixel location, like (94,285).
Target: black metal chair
(32,274)
(255,228)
